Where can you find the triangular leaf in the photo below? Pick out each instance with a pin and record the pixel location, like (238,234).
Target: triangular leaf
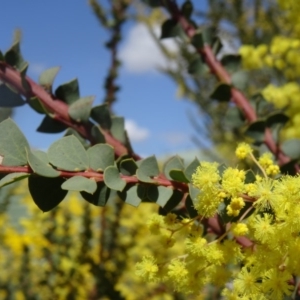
(12,144)
(191,168)
(50,125)
(37,105)
(9,98)
(128,167)
(13,177)
(68,92)
(68,154)
(101,156)
(173,163)
(231,62)
(159,194)
(46,192)
(291,148)
(256,131)
(240,79)
(98,135)
(47,77)
(40,166)
(222,92)
(113,179)
(80,109)
(189,205)
(197,41)
(101,115)
(153,3)
(277,118)
(175,199)
(178,175)
(148,168)
(135,195)
(100,197)
(118,129)
(169,29)
(79,184)
(187,9)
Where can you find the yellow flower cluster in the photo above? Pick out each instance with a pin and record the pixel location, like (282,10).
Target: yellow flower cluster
(64,254)
(256,253)
(282,54)
(286,97)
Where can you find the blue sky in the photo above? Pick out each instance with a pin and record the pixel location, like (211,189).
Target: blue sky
(67,34)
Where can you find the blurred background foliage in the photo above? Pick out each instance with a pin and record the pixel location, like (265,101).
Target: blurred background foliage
(78,251)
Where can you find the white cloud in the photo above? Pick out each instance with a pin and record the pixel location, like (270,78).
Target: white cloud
(140,52)
(136,133)
(175,138)
(36,68)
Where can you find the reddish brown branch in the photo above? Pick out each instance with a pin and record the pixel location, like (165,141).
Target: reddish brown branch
(57,108)
(99,177)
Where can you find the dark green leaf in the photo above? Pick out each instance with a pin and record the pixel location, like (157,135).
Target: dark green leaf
(277,118)
(128,167)
(159,194)
(5,112)
(250,177)
(100,197)
(9,98)
(47,77)
(68,154)
(222,92)
(147,168)
(153,3)
(209,34)
(118,129)
(80,109)
(101,156)
(197,41)
(216,45)
(231,62)
(50,125)
(233,118)
(12,177)
(197,67)
(98,135)
(1,56)
(135,195)
(173,201)
(291,148)
(68,92)
(190,207)
(289,168)
(256,131)
(194,192)
(40,166)
(170,28)
(46,192)
(113,179)
(14,57)
(191,168)
(174,163)
(101,115)
(187,9)
(240,79)
(37,105)
(178,175)
(12,144)
(262,106)
(80,184)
